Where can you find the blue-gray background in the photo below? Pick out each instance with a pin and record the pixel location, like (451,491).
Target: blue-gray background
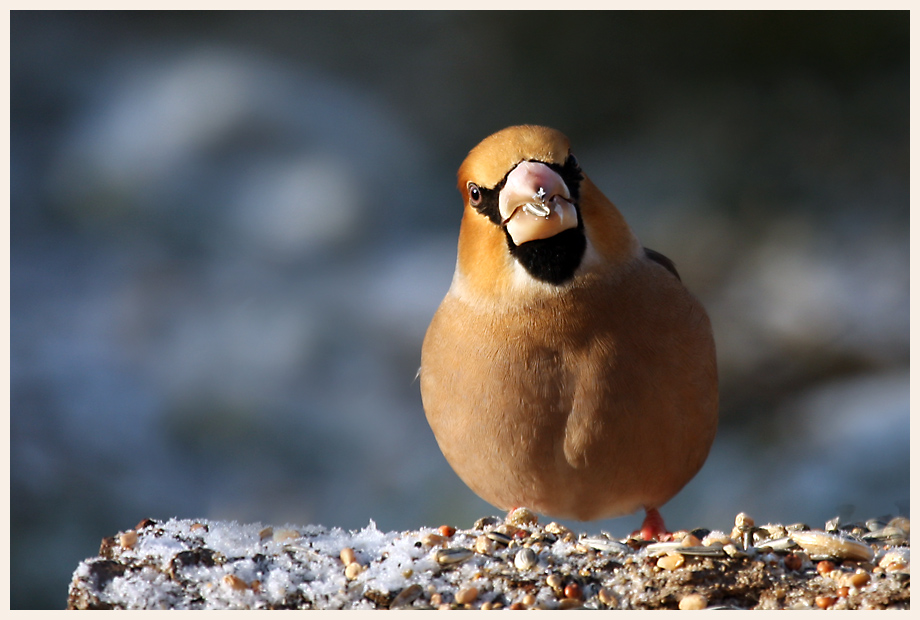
(229,233)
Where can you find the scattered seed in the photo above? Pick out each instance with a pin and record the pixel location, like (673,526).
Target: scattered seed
(144,523)
(902,523)
(447,530)
(436,600)
(557,529)
(793,562)
(408,595)
(529,600)
(521,516)
(484,545)
(733,552)
(742,520)
(555,581)
(747,539)
(525,559)
(235,582)
(690,541)
(485,522)
(821,544)
(774,530)
(671,562)
(456,555)
(466,596)
(256,586)
(661,548)
(283,535)
(570,603)
(347,555)
(517,606)
(716,539)
(128,539)
(843,591)
(824,602)
(431,539)
(266,532)
(352,570)
(713,552)
(824,567)
(607,598)
(693,601)
(499,537)
(858,579)
(776,544)
(573,590)
(888,534)
(896,559)
(605,545)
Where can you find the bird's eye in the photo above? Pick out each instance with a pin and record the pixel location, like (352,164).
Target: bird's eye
(475,194)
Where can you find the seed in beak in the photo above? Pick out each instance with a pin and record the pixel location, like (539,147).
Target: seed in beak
(537,210)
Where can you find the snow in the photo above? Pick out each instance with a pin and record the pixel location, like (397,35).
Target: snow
(306,567)
(186,564)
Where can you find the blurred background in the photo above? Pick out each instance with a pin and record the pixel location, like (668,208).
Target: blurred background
(230,230)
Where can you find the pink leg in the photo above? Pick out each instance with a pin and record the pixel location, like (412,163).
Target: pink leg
(653,526)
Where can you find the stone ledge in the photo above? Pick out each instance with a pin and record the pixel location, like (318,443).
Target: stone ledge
(187,564)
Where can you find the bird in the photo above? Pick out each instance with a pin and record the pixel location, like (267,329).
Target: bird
(567,370)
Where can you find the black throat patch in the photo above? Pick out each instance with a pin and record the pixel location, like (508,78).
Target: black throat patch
(552,260)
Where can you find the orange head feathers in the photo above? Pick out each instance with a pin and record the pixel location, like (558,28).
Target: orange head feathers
(501,179)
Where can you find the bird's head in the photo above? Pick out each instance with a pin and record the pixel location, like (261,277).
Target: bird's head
(531,215)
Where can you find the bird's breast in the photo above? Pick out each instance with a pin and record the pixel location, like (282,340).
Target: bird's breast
(553,401)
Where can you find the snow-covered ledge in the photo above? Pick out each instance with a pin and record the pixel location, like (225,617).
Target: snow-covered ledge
(188,564)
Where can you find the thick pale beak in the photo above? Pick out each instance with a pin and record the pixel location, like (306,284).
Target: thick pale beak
(535,203)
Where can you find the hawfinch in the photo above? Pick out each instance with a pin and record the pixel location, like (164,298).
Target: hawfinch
(567,370)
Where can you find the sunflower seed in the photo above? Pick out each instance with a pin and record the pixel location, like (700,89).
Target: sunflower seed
(656,549)
(820,544)
(605,545)
(408,595)
(485,522)
(777,544)
(713,552)
(445,557)
(499,537)
(886,534)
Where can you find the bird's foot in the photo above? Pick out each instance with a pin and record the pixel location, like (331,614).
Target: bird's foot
(653,527)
